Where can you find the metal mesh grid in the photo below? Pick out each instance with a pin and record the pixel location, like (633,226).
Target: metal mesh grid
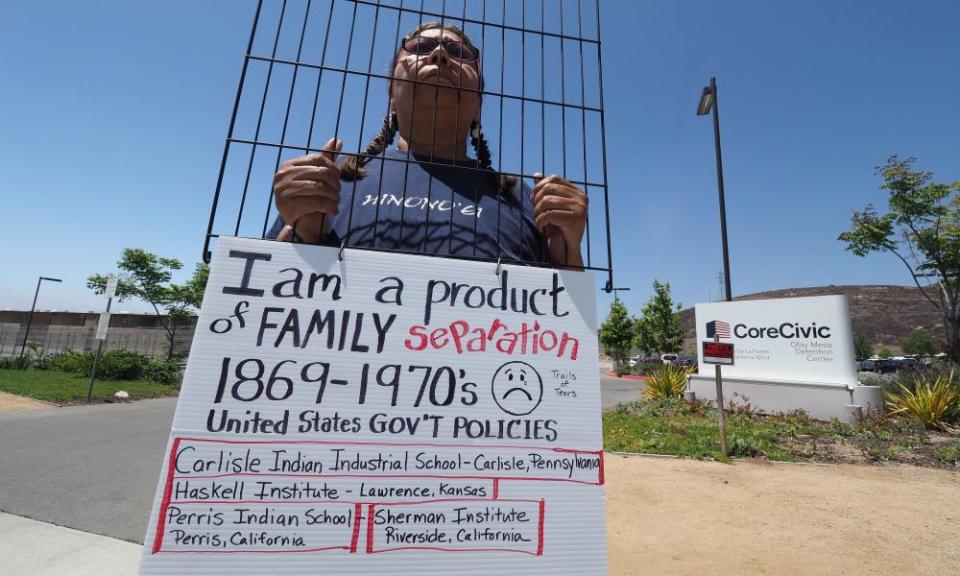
(317,69)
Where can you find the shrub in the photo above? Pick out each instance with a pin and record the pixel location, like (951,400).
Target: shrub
(113,364)
(749,442)
(937,369)
(909,380)
(16,362)
(26,360)
(36,347)
(933,401)
(627,408)
(70,361)
(162,371)
(645,368)
(873,379)
(669,381)
(950,455)
(872,419)
(121,365)
(621,368)
(738,404)
(40,356)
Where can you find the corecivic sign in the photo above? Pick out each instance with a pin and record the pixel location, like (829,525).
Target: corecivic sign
(798,339)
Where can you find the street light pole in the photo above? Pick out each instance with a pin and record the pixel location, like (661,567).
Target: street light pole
(616,292)
(32,308)
(708,102)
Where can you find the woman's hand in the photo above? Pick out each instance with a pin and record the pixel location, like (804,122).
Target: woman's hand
(307,192)
(560,212)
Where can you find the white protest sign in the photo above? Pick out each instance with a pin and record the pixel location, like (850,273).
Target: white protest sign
(384,414)
(805,339)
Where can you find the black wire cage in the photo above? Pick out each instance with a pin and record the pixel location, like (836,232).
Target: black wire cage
(320,68)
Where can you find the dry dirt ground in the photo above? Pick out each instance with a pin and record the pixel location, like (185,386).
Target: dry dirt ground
(679,517)
(14,403)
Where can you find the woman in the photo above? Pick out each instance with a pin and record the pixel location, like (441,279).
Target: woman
(427,195)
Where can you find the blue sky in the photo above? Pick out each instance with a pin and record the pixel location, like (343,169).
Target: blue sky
(113,117)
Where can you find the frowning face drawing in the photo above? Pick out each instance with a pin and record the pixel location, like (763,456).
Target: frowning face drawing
(517,388)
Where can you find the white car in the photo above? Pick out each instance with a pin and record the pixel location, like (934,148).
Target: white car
(669,358)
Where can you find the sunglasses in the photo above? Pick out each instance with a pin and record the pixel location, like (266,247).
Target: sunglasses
(456,49)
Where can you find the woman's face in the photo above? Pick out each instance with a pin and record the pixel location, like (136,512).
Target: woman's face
(417,105)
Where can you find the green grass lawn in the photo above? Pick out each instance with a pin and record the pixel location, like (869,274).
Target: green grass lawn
(680,428)
(66,388)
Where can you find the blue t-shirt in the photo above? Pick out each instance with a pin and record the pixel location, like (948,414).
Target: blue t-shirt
(439,208)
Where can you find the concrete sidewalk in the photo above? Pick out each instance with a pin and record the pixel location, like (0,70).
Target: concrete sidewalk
(41,549)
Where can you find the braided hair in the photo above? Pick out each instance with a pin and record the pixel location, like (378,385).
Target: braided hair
(480,147)
(353,167)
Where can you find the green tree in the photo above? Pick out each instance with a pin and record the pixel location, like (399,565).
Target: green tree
(616,334)
(920,343)
(862,346)
(884,352)
(922,229)
(148,277)
(658,328)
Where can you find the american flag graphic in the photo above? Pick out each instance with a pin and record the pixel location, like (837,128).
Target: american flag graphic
(718,328)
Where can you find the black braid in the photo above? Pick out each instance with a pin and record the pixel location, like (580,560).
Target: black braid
(352,168)
(480,146)
(482,149)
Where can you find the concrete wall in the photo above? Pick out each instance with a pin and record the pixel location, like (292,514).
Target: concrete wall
(821,401)
(58,331)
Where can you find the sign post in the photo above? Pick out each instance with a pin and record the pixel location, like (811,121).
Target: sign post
(719,353)
(723,418)
(102,326)
(384,413)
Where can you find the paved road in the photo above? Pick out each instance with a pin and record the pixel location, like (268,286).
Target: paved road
(95,468)
(615,390)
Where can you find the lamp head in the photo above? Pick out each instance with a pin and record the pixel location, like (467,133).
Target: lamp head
(706,101)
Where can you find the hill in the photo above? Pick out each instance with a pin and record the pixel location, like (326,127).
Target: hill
(885,314)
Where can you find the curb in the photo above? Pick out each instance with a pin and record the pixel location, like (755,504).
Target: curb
(634,377)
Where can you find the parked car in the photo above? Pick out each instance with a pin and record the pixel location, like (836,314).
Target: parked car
(890,365)
(867,366)
(909,364)
(686,361)
(669,358)
(887,366)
